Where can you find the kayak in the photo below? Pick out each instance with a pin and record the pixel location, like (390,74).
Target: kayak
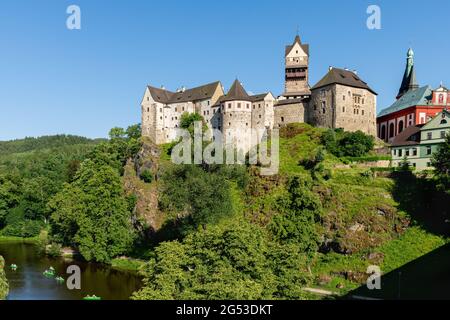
(93,297)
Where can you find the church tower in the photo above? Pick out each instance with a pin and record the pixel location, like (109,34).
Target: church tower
(296,70)
(409,81)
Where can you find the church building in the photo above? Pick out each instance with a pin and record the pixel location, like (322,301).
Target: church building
(414,105)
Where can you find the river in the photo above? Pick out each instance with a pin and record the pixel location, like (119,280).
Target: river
(28,282)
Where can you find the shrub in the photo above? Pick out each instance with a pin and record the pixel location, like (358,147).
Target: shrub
(347,144)
(146,176)
(54,250)
(25,229)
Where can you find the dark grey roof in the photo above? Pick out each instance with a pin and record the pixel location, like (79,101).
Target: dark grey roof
(289,101)
(344,77)
(236,92)
(305,47)
(408,137)
(258,97)
(198,93)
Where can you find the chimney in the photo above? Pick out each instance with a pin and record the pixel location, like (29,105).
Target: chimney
(183,89)
(330,68)
(162,87)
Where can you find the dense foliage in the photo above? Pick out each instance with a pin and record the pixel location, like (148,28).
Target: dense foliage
(441,163)
(73,189)
(196,196)
(236,262)
(28,180)
(347,144)
(92,212)
(300,211)
(41,143)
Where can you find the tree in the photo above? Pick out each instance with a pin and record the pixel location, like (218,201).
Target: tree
(134,131)
(187,121)
(347,144)
(201,198)
(235,262)
(92,214)
(441,164)
(300,210)
(356,144)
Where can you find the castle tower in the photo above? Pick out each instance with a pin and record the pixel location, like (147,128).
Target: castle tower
(409,81)
(236,109)
(296,70)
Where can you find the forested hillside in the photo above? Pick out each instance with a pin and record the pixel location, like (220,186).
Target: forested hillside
(224,231)
(230,233)
(31,172)
(46,142)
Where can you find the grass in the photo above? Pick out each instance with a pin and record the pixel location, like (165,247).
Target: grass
(413,244)
(127,264)
(33,240)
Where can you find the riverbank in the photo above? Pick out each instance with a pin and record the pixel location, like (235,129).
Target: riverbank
(34,240)
(28,282)
(119,263)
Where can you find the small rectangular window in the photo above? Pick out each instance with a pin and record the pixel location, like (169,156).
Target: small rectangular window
(442,134)
(429,135)
(428,150)
(400,152)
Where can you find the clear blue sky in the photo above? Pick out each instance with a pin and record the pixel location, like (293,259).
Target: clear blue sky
(53,80)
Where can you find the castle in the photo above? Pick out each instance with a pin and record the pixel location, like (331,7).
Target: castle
(339,100)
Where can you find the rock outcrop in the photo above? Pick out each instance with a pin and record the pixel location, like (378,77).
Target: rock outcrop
(4,288)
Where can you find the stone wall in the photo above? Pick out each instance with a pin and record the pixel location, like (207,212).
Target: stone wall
(339,106)
(237,123)
(285,113)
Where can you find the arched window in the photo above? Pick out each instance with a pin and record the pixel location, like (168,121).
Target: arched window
(441,98)
(391,130)
(443,121)
(400,126)
(383,132)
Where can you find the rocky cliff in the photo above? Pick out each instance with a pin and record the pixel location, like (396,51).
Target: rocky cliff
(3,282)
